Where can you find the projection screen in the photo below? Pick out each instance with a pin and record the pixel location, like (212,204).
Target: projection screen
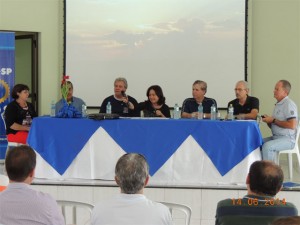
(171,43)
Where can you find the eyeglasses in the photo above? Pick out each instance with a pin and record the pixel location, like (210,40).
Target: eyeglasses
(239,89)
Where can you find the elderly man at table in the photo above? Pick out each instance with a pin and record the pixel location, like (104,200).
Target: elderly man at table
(131,206)
(283,122)
(245,106)
(19,204)
(259,206)
(121,103)
(190,105)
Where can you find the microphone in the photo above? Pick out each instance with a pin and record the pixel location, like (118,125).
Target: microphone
(123,94)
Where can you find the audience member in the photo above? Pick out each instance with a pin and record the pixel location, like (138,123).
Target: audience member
(155,105)
(76,102)
(291,220)
(121,104)
(283,122)
(131,206)
(190,105)
(259,206)
(18,115)
(245,106)
(19,204)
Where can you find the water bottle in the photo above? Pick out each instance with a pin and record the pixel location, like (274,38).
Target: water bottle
(213,112)
(84,110)
(200,111)
(52,111)
(108,108)
(230,112)
(176,113)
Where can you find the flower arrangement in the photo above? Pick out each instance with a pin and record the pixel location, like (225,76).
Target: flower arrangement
(68,110)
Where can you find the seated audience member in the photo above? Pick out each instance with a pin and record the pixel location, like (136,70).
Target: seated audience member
(131,206)
(155,105)
(18,115)
(121,104)
(291,220)
(283,123)
(260,205)
(19,204)
(76,102)
(245,106)
(190,105)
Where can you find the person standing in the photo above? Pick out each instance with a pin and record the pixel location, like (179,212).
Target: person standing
(121,103)
(283,122)
(245,106)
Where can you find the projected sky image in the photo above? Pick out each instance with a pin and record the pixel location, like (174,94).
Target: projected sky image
(149,41)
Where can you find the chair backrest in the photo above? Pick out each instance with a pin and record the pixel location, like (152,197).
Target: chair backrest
(184,209)
(298,132)
(72,216)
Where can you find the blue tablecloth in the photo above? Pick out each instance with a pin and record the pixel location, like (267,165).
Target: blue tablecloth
(226,143)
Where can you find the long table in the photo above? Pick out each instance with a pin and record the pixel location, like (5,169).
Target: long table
(179,152)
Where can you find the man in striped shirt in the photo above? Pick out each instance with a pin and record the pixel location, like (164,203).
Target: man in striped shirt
(260,206)
(19,204)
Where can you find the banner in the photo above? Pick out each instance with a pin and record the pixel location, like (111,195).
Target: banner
(7,81)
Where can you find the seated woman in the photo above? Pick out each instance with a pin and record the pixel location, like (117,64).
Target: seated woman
(155,105)
(18,115)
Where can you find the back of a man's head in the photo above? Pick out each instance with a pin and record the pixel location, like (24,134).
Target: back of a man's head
(20,162)
(265,178)
(131,172)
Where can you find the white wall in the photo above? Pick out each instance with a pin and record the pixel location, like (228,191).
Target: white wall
(46,18)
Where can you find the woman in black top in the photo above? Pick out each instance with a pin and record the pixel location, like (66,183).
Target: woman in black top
(155,105)
(18,115)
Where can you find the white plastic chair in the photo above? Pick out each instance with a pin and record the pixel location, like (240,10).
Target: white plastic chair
(290,153)
(74,206)
(186,210)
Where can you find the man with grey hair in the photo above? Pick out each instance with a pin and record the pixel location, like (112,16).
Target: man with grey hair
(283,122)
(131,206)
(245,106)
(120,102)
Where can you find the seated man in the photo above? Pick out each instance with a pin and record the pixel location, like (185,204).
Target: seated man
(190,105)
(19,204)
(283,123)
(76,102)
(121,104)
(259,206)
(131,206)
(245,106)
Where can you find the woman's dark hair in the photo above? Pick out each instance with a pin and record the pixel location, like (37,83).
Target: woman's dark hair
(158,91)
(17,89)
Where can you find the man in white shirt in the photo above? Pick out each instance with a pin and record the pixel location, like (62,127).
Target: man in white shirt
(19,204)
(283,122)
(131,207)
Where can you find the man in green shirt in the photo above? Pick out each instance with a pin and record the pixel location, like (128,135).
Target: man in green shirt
(260,206)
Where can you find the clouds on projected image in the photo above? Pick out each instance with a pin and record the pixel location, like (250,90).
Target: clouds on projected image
(188,34)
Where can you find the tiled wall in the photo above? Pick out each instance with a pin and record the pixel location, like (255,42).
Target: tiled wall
(202,201)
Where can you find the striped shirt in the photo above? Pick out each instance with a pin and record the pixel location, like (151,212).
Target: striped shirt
(21,205)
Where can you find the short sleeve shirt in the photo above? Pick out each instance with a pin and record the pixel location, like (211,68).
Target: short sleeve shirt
(251,103)
(284,110)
